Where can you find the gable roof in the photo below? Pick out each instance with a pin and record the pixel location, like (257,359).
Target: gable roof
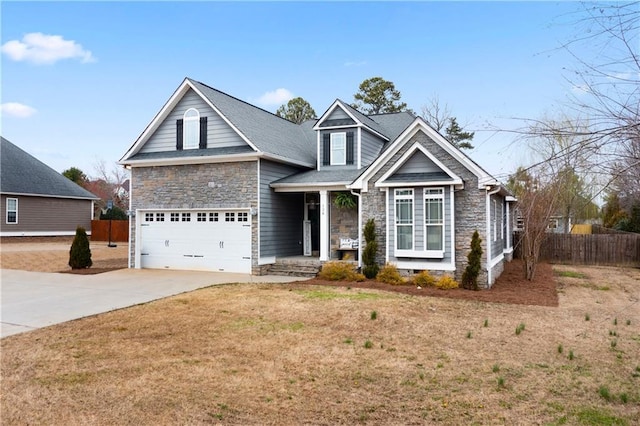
(355,115)
(23,174)
(264,132)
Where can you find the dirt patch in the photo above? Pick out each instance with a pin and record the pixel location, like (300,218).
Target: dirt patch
(248,354)
(51,254)
(510,287)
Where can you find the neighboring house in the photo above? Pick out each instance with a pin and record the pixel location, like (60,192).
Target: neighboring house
(219,184)
(37,200)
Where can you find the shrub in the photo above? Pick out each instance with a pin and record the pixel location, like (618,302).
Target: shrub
(471,272)
(390,275)
(446,282)
(371,268)
(80,253)
(424,279)
(339,271)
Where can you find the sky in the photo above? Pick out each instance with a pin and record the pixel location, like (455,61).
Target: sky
(81,80)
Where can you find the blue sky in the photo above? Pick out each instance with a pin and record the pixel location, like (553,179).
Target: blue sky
(103,70)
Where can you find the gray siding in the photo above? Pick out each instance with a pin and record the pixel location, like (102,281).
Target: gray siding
(497,245)
(419,163)
(219,133)
(355,148)
(370,147)
(418,224)
(281,214)
(337,113)
(44,215)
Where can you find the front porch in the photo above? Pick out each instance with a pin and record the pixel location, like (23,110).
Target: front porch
(299,266)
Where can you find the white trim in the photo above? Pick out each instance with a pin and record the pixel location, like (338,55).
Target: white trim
(324,225)
(426,183)
(135,218)
(496,260)
(407,155)
(488,195)
(227,158)
(22,194)
(6,216)
(495,220)
(318,160)
(39,233)
(191,120)
(427,254)
(388,216)
(508,250)
(258,217)
(359,148)
(509,236)
(453,222)
(420,125)
(309,187)
(270,260)
(432,266)
(410,197)
(444,219)
(358,123)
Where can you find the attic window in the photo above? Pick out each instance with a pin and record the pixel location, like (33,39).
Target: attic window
(338,149)
(191,129)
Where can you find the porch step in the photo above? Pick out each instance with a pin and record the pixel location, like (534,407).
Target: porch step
(296,268)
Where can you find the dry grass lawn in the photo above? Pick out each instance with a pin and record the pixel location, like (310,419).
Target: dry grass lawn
(297,354)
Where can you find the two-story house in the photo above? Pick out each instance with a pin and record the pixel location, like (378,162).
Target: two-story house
(219,184)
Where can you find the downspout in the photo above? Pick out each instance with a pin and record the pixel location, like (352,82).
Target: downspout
(488,236)
(359,228)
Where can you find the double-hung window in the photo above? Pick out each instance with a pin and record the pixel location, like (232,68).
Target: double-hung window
(338,149)
(191,129)
(404,219)
(12,210)
(434,219)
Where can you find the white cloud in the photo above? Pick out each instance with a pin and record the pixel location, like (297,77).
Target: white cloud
(276,97)
(14,109)
(42,49)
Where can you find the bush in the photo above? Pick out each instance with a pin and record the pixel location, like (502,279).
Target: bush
(424,279)
(371,268)
(471,272)
(446,282)
(390,275)
(80,253)
(339,271)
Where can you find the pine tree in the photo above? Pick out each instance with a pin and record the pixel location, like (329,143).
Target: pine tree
(371,268)
(471,272)
(80,253)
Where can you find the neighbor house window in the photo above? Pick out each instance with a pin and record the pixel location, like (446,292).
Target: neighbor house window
(12,210)
(191,129)
(338,149)
(434,218)
(495,220)
(404,219)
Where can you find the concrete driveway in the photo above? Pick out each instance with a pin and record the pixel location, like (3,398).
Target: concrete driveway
(32,300)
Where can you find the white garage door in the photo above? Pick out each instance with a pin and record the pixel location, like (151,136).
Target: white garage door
(196,240)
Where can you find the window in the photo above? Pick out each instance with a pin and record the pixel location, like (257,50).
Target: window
(243,217)
(503,221)
(186,217)
(404,219)
(148,217)
(338,149)
(202,217)
(495,220)
(434,218)
(191,129)
(160,217)
(229,217)
(175,217)
(213,217)
(12,210)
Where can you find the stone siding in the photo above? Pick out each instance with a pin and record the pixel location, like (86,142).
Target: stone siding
(199,186)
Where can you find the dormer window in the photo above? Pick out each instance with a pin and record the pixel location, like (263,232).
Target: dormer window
(338,149)
(191,130)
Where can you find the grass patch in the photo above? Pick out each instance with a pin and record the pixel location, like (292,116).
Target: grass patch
(520,328)
(374,315)
(327,294)
(595,416)
(570,274)
(368,344)
(604,393)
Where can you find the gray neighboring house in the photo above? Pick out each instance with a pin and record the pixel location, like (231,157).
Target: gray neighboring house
(37,200)
(219,184)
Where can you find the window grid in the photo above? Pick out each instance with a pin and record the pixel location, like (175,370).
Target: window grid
(12,210)
(243,217)
(404,219)
(160,217)
(148,217)
(434,218)
(213,217)
(338,149)
(186,217)
(202,217)
(229,217)
(175,217)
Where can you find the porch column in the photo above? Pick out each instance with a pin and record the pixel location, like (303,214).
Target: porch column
(324,225)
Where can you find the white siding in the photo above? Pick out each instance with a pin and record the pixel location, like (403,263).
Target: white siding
(219,133)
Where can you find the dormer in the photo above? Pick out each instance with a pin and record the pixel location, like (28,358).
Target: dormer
(346,138)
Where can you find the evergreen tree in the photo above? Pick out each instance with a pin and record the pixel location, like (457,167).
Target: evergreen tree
(471,272)
(80,253)
(297,110)
(457,136)
(371,268)
(377,96)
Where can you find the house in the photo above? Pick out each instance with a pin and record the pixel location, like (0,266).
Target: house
(220,184)
(37,200)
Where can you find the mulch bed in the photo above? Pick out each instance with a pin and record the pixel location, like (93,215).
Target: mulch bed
(511,287)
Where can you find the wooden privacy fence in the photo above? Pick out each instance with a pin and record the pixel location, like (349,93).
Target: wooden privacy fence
(119,230)
(594,249)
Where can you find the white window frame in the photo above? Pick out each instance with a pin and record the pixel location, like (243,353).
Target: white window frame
(404,194)
(434,194)
(502,221)
(339,139)
(495,220)
(14,210)
(191,129)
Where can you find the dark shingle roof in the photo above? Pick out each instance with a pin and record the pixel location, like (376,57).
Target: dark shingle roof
(394,123)
(21,173)
(231,150)
(321,176)
(268,132)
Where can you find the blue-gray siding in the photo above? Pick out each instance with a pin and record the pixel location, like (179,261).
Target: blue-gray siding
(219,133)
(419,224)
(370,147)
(281,214)
(355,154)
(337,113)
(418,163)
